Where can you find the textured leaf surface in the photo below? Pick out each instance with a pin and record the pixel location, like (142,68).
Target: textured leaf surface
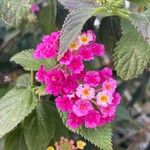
(76,4)
(142,22)
(109,32)
(132,54)
(47,17)
(14,107)
(15,140)
(73,25)
(100,136)
(13,11)
(26,60)
(39,128)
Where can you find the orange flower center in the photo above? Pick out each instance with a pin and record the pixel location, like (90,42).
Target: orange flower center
(84,39)
(73,45)
(86,92)
(103,98)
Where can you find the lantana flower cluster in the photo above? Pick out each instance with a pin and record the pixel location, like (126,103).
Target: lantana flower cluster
(88,98)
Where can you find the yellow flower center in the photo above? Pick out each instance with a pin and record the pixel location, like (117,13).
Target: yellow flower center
(81,144)
(104,98)
(84,39)
(86,92)
(50,148)
(73,45)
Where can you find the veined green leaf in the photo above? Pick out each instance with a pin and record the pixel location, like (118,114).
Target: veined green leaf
(142,22)
(39,128)
(15,140)
(73,25)
(26,60)
(14,107)
(132,54)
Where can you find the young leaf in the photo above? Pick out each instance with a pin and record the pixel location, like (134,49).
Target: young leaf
(15,140)
(39,128)
(142,22)
(26,60)
(73,25)
(14,107)
(100,136)
(76,4)
(13,11)
(47,17)
(132,54)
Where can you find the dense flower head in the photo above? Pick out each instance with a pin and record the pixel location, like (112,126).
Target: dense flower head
(49,47)
(88,98)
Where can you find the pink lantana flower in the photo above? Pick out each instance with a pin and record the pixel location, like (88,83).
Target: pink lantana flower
(109,85)
(82,107)
(116,99)
(53,80)
(108,111)
(86,38)
(35,8)
(91,35)
(75,45)
(76,65)
(105,74)
(92,119)
(104,98)
(40,74)
(69,84)
(64,103)
(92,78)
(74,121)
(67,58)
(97,49)
(86,53)
(85,92)
(48,48)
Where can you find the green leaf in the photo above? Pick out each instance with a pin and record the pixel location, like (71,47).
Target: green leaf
(73,25)
(15,140)
(100,136)
(47,17)
(26,60)
(132,54)
(60,128)
(142,22)
(14,107)
(76,4)
(141,2)
(23,81)
(109,32)
(13,11)
(39,128)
